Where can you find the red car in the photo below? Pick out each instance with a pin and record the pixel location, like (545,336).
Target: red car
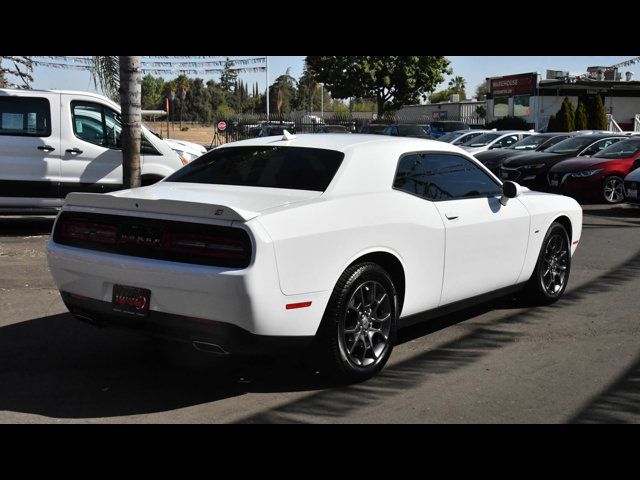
(599,177)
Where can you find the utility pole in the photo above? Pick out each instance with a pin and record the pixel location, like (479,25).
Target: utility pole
(131,104)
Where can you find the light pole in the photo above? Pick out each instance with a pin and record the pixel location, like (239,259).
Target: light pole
(183,94)
(172,96)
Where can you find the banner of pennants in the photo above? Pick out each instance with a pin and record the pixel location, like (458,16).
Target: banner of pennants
(161,67)
(592,75)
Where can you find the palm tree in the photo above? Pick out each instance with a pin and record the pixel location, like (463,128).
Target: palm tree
(457,85)
(120,77)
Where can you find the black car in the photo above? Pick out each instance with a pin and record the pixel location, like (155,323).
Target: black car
(268,130)
(408,130)
(493,159)
(530,169)
(373,128)
(332,129)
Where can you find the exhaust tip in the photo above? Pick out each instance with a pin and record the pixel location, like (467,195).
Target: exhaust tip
(209,348)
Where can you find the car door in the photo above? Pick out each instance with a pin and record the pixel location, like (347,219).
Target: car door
(486,242)
(91,143)
(29,149)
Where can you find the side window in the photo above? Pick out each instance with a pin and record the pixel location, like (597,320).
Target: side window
(506,141)
(601,145)
(443,176)
(97,124)
(25,116)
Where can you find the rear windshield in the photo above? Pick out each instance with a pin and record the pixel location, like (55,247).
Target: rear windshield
(482,140)
(295,168)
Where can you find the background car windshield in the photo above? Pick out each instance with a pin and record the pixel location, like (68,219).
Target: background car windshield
(482,140)
(528,143)
(412,130)
(571,145)
(623,149)
(466,138)
(295,168)
(450,136)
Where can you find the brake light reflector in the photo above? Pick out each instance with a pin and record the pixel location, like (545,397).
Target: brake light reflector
(291,306)
(92,232)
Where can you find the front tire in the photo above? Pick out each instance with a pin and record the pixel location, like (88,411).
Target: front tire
(358,330)
(551,275)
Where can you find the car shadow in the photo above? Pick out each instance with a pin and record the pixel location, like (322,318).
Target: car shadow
(26,226)
(614,211)
(58,367)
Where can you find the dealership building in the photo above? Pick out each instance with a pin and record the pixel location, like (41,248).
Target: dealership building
(529,97)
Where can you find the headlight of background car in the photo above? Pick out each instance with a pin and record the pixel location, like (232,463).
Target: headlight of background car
(585,173)
(185,157)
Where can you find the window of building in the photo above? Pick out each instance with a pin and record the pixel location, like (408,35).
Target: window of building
(500,107)
(521,106)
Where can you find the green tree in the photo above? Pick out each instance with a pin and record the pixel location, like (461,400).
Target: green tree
(228,76)
(440,96)
(392,80)
(457,86)
(481,111)
(582,121)
(552,125)
(282,93)
(597,114)
(565,117)
(482,91)
(152,92)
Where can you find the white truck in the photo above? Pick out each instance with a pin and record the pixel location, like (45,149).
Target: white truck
(53,142)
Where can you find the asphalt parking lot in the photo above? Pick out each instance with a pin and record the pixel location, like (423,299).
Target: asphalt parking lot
(576,361)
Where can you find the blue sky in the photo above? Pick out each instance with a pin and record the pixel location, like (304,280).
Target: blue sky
(473,68)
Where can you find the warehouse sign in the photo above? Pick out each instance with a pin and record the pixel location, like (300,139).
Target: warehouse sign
(522,84)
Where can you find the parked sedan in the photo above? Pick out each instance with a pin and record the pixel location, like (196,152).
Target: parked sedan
(309,241)
(491,140)
(440,128)
(600,177)
(493,159)
(530,169)
(632,185)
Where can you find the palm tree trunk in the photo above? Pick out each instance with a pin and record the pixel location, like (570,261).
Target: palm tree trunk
(131,103)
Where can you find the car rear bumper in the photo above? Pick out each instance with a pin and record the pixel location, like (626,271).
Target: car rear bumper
(248,298)
(209,335)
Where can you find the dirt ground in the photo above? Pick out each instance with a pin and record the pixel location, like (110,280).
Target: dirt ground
(200,134)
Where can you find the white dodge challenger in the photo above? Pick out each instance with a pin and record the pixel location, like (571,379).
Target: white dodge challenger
(328,243)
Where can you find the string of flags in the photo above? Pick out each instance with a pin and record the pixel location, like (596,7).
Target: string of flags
(195,70)
(165,64)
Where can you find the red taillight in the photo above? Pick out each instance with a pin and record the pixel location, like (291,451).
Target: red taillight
(203,245)
(92,232)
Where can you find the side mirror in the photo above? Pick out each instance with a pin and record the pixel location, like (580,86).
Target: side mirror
(509,190)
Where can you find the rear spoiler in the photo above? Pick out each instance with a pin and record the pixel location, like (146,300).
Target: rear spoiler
(171,207)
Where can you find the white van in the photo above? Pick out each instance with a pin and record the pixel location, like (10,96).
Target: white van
(53,142)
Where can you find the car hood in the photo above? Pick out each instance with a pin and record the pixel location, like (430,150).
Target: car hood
(189,147)
(577,164)
(498,154)
(223,202)
(533,158)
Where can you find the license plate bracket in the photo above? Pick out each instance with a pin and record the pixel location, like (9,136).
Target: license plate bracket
(130,300)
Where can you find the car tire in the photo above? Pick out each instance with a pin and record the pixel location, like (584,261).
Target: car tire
(358,330)
(551,274)
(613,190)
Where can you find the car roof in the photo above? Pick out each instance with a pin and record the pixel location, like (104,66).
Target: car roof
(342,143)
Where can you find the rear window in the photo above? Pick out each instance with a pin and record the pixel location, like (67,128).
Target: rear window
(25,116)
(294,168)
